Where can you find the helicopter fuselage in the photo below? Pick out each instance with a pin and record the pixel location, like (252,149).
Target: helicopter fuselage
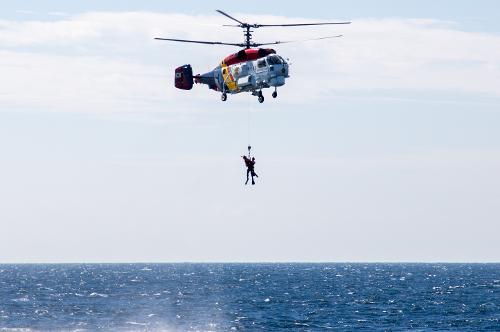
(249,70)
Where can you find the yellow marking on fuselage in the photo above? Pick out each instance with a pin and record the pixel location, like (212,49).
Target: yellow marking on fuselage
(228,78)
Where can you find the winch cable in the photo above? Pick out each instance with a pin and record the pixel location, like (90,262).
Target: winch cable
(248,128)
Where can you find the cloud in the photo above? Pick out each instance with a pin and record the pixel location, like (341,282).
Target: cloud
(25,12)
(418,55)
(81,83)
(110,62)
(58,14)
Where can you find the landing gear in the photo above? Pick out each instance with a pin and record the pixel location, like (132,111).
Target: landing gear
(260,97)
(275,93)
(223,96)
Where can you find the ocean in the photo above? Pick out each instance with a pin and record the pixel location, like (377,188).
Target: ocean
(249,297)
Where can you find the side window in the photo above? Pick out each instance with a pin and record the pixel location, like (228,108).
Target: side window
(261,63)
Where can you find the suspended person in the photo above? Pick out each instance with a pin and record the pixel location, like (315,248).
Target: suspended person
(250,164)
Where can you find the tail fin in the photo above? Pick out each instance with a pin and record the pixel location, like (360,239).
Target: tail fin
(184,77)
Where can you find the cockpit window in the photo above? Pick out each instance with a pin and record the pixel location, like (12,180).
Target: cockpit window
(261,63)
(274,60)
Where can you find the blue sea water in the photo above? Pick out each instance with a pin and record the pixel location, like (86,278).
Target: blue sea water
(249,297)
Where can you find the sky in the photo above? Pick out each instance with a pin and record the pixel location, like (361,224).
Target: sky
(383,146)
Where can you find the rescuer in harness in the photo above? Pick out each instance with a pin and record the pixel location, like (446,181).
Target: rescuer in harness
(250,164)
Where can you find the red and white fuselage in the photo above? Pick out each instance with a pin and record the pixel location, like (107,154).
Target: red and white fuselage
(249,70)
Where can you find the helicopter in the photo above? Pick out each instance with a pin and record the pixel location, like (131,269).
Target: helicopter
(249,70)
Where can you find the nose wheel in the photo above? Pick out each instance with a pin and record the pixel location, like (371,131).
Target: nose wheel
(223,97)
(275,94)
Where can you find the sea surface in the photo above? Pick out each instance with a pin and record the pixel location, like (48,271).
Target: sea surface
(250,297)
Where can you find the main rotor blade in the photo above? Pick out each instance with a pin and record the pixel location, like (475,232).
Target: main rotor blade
(296,41)
(297,24)
(201,42)
(229,16)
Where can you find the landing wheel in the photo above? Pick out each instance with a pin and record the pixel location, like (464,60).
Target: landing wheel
(275,94)
(223,97)
(261,98)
